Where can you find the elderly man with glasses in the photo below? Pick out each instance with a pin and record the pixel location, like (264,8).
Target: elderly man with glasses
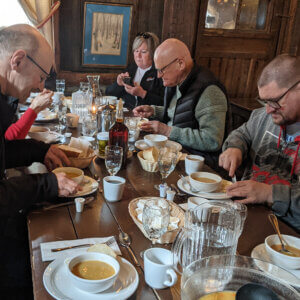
(269,143)
(195,103)
(25,60)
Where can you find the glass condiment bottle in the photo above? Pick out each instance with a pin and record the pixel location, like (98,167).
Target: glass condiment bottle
(118,133)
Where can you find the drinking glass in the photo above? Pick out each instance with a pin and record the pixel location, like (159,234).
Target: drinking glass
(84,87)
(113,159)
(156,216)
(133,130)
(60,85)
(167,160)
(89,126)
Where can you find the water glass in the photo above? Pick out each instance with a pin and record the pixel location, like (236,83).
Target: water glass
(84,87)
(113,159)
(156,216)
(60,85)
(89,126)
(133,130)
(167,160)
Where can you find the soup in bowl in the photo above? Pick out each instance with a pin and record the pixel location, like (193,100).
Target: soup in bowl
(205,181)
(72,173)
(93,272)
(38,132)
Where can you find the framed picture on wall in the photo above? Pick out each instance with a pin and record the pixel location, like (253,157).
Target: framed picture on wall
(106,34)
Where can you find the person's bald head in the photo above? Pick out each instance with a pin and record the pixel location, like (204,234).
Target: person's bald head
(173,61)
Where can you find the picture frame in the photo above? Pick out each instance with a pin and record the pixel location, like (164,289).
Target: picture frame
(106,33)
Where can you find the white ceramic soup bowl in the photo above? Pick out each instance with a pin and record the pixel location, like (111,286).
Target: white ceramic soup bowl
(38,132)
(79,173)
(88,285)
(205,186)
(155,140)
(279,259)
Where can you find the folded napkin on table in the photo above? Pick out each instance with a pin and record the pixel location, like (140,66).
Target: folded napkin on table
(47,255)
(80,144)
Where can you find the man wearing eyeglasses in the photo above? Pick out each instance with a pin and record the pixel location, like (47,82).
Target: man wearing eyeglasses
(195,103)
(269,142)
(25,60)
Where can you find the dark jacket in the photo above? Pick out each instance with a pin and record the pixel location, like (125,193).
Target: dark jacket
(150,83)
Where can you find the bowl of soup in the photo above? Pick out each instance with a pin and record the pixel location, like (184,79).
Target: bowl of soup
(205,181)
(38,132)
(155,140)
(92,272)
(285,260)
(72,173)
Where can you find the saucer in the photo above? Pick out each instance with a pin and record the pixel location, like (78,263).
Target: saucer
(89,186)
(58,285)
(261,253)
(216,195)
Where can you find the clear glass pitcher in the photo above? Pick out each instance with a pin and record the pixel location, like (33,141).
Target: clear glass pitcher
(212,228)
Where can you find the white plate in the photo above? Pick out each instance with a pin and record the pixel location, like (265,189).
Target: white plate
(58,285)
(46,116)
(217,195)
(89,186)
(87,138)
(142,145)
(260,252)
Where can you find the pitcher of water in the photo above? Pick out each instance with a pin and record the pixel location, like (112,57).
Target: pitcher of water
(212,228)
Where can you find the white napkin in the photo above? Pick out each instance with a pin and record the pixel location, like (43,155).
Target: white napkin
(48,137)
(80,144)
(47,255)
(184,206)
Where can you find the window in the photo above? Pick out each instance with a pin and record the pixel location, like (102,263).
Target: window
(11,13)
(236,14)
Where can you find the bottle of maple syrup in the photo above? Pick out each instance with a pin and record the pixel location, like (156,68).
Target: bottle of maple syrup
(118,133)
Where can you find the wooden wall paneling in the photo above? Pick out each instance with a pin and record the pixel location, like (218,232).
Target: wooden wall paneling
(229,75)
(244,68)
(233,86)
(249,80)
(223,69)
(204,61)
(215,66)
(180,21)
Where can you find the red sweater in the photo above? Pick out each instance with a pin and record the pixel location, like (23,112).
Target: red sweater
(19,130)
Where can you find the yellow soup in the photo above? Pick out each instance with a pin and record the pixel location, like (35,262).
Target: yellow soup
(72,175)
(93,270)
(226,295)
(295,251)
(205,180)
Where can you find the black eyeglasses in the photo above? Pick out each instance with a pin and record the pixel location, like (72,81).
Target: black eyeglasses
(144,35)
(274,102)
(162,70)
(33,61)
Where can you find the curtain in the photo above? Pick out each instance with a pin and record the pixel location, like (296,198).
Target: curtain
(39,11)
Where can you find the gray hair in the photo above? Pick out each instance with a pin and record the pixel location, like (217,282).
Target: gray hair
(284,69)
(13,38)
(152,42)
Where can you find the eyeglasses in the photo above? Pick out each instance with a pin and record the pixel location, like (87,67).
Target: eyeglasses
(274,102)
(144,35)
(162,70)
(34,62)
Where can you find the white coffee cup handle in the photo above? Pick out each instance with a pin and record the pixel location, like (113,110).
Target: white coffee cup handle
(173,278)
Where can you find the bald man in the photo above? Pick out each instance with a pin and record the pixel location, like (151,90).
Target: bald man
(195,103)
(269,144)
(25,60)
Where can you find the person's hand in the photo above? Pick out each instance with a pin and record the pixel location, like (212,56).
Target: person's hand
(55,158)
(156,127)
(120,77)
(230,160)
(42,101)
(135,90)
(66,186)
(252,191)
(144,111)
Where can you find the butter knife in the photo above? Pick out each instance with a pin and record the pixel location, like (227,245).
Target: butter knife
(71,247)
(87,201)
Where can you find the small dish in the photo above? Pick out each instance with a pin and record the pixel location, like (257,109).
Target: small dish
(73,173)
(155,140)
(38,132)
(205,181)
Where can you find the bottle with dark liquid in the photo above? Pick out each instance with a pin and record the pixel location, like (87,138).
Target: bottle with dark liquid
(118,133)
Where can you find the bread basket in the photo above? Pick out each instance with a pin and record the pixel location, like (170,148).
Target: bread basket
(176,211)
(82,162)
(147,165)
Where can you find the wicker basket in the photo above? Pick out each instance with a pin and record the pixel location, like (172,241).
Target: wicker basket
(82,162)
(147,165)
(176,211)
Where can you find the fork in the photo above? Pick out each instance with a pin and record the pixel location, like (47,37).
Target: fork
(185,181)
(108,243)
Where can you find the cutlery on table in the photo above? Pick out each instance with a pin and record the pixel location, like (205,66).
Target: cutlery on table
(186,181)
(125,241)
(87,201)
(108,243)
(178,192)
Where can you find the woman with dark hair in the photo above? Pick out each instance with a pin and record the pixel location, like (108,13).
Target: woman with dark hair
(139,84)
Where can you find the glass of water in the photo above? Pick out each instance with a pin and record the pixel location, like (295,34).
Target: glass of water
(133,130)
(60,85)
(89,126)
(113,159)
(156,216)
(167,160)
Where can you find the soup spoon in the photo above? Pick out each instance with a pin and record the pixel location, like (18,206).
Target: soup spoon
(274,221)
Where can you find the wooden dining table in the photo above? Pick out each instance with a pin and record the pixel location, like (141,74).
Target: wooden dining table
(102,219)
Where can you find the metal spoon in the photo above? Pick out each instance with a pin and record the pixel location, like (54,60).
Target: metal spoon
(274,221)
(125,241)
(186,181)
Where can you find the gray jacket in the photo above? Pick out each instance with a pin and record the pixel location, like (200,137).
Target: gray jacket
(271,161)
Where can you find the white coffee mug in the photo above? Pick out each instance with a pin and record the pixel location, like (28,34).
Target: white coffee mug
(158,265)
(72,120)
(193,163)
(113,187)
